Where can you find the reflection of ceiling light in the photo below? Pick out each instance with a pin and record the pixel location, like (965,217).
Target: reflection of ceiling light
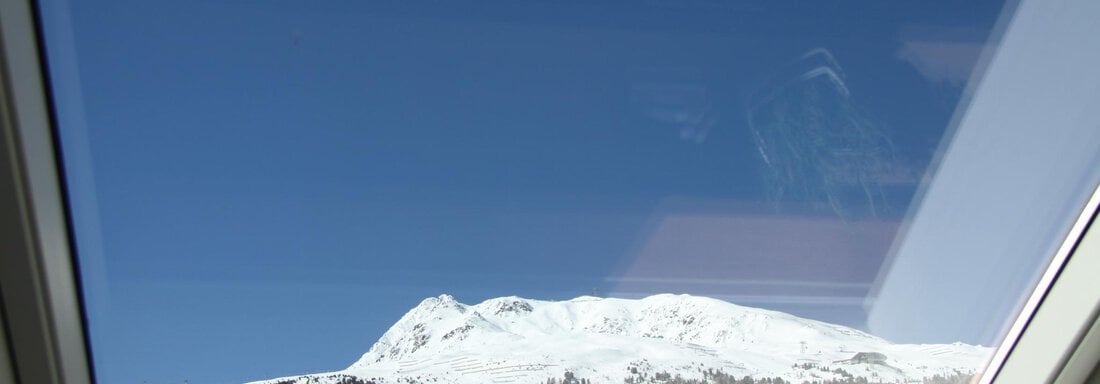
(941,62)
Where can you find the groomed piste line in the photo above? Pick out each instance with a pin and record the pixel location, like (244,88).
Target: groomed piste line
(512,368)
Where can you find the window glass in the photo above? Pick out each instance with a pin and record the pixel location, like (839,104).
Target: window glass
(534,191)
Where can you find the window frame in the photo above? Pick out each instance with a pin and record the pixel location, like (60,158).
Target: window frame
(42,318)
(41,309)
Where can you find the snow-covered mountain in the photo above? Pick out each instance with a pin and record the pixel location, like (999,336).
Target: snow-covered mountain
(655,339)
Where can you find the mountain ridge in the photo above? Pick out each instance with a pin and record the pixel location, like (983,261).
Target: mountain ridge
(514,339)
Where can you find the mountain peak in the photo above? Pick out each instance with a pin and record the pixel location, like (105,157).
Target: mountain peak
(443,300)
(504,306)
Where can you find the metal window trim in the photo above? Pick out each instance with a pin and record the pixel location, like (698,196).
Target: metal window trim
(1051,340)
(1082,363)
(38,280)
(7,372)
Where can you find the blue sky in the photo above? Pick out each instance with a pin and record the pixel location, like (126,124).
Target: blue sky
(262,188)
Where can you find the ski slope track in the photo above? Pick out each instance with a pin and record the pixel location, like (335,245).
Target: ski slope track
(606,340)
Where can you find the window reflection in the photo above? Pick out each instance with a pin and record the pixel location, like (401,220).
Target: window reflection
(531,191)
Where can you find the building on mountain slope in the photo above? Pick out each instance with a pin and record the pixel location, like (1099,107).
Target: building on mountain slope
(865,358)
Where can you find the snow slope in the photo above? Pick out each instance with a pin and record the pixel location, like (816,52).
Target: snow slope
(604,340)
